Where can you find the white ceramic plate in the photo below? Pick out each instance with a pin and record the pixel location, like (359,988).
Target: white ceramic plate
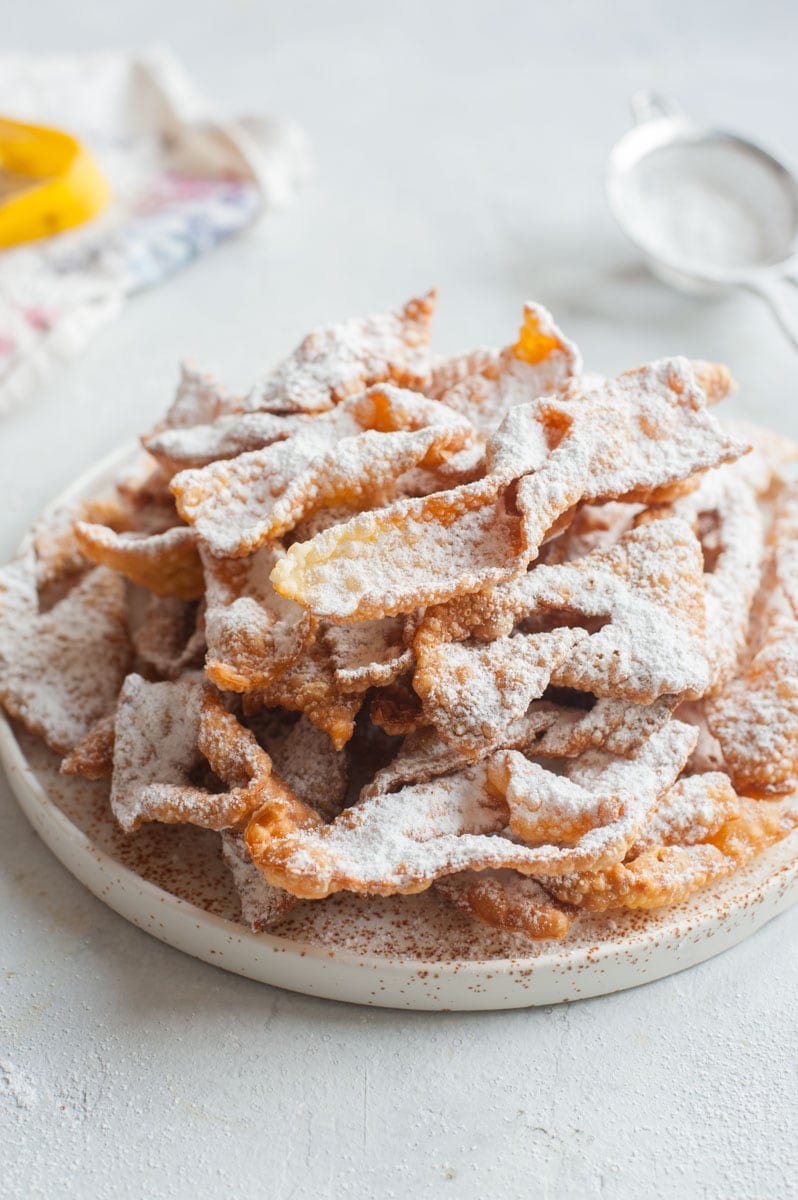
(404,952)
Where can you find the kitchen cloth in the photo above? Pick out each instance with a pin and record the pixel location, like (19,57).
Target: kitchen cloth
(182,179)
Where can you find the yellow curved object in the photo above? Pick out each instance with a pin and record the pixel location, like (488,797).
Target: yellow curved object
(48,182)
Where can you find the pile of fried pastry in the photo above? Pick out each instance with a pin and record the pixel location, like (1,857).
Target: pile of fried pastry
(390,621)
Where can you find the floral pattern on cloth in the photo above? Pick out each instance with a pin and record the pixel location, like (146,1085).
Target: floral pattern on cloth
(182,182)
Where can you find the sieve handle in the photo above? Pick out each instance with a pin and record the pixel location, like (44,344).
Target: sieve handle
(779,295)
(653,106)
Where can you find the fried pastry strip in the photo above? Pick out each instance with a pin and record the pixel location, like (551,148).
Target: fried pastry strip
(171,637)
(618,726)
(424,755)
(308,685)
(167,563)
(725,513)
(599,797)
(61,670)
(93,756)
(261,904)
(156,751)
(371,654)
(692,853)
(226,437)
(755,716)
(199,398)
(58,554)
(253,634)
(396,709)
(471,693)
(339,361)
(484,385)
(305,759)
(307,763)
(506,900)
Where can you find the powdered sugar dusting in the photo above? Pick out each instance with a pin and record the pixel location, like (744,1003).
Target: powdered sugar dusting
(485,385)
(735,548)
(341,360)
(305,759)
(645,592)
(755,716)
(61,670)
(199,398)
(692,810)
(629,438)
(252,633)
(261,904)
(226,437)
(155,749)
(343,456)
(402,841)
(370,654)
(171,637)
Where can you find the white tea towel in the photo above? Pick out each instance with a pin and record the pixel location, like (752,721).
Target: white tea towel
(182,180)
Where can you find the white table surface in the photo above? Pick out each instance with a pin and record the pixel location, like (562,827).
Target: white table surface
(460,144)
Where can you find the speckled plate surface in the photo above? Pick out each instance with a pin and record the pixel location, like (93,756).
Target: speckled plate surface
(403,952)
